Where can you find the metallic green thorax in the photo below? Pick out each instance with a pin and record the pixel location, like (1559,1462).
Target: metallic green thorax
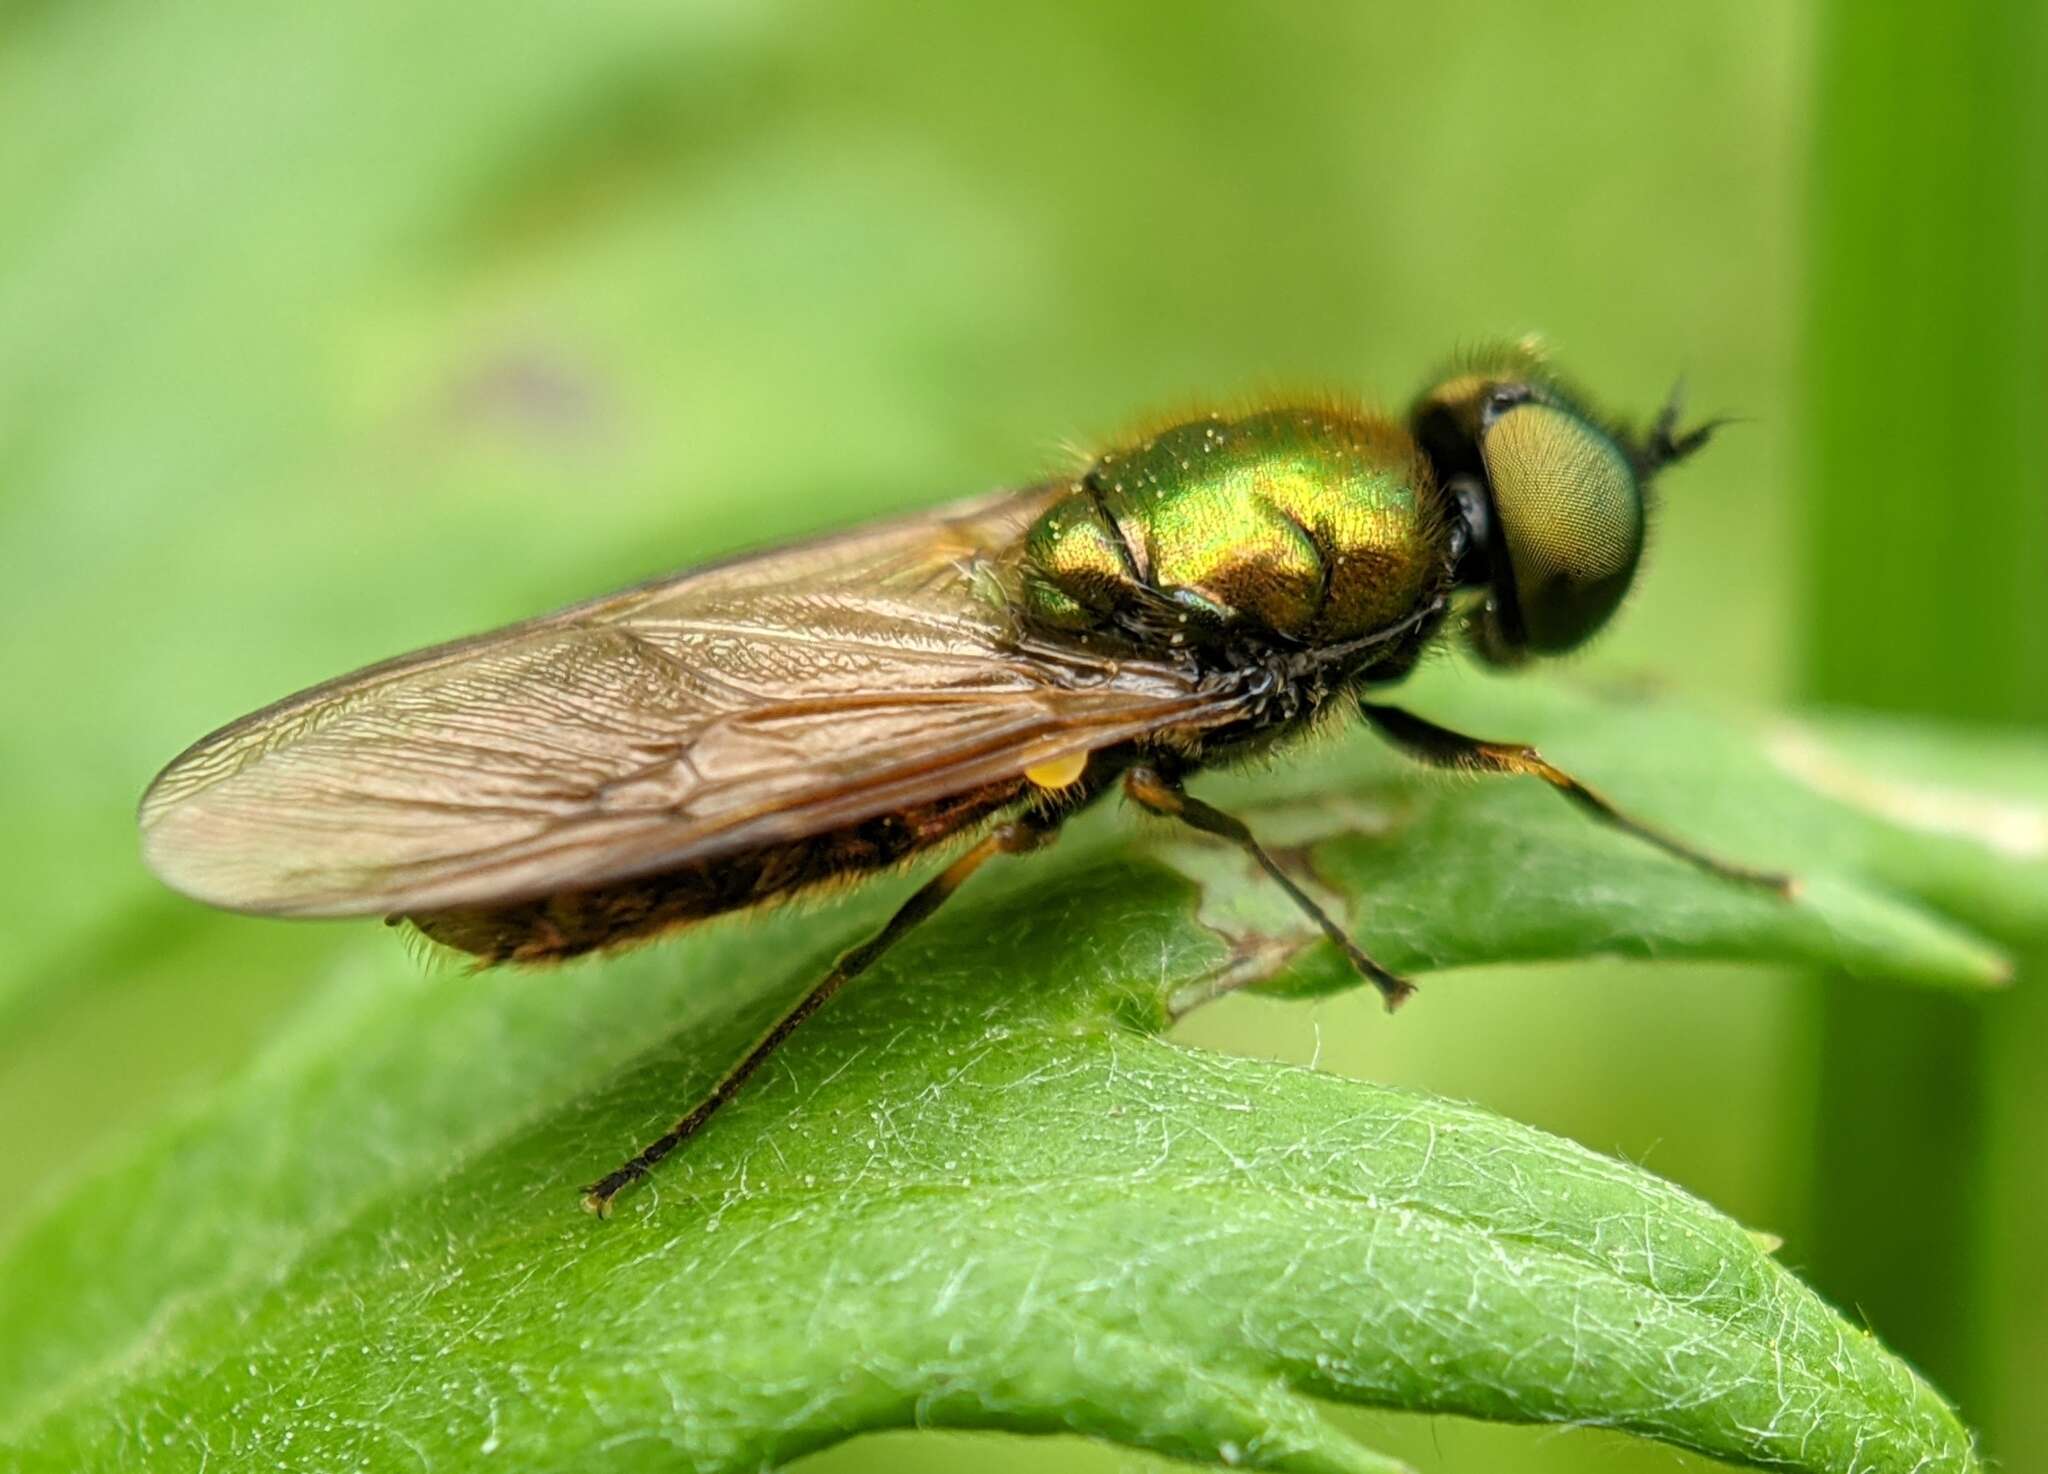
(1317,524)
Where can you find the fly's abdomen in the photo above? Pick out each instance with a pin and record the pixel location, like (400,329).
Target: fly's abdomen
(1316,524)
(623,912)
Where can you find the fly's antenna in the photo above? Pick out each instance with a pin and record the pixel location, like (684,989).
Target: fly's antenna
(1665,445)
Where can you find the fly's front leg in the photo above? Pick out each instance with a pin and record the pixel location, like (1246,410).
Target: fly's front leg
(1019,836)
(1440,747)
(1153,790)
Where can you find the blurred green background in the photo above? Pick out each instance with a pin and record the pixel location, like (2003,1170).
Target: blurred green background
(326,332)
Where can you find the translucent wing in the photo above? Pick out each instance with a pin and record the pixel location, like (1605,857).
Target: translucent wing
(768,698)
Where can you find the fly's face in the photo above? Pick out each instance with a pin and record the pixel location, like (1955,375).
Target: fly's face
(1551,498)
(1308,524)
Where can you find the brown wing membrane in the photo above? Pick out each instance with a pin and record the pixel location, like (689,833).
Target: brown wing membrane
(764,699)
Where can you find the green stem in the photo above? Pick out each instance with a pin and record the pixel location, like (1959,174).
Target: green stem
(1929,592)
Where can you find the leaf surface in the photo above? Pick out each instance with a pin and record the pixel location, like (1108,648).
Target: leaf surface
(980,1191)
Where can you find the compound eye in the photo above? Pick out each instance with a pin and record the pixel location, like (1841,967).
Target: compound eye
(1571,516)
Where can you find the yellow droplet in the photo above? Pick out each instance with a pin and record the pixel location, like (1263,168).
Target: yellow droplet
(1060,772)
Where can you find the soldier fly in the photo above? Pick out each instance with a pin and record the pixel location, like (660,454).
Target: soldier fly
(744,732)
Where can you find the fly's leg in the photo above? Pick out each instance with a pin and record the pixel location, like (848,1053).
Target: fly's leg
(1014,838)
(1151,789)
(1440,747)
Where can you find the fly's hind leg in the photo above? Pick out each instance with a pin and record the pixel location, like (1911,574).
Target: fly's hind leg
(1440,747)
(1151,789)
(1019,836)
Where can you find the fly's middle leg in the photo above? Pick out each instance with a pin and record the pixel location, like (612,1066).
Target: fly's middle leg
(1152,789)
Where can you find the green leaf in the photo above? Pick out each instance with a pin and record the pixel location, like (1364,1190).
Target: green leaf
(979,1191)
